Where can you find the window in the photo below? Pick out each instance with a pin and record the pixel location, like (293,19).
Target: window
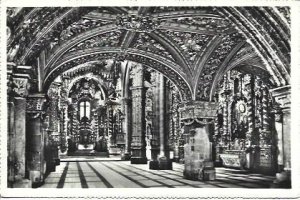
(84,109)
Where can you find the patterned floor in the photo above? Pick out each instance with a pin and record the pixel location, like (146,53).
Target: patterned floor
(122,174)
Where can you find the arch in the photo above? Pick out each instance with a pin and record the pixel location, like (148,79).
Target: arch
(61,50)
(274,64)
(201,62)
(45,31)
(168,68)
(217,79)
(101,85)
(172,49)
(224,65)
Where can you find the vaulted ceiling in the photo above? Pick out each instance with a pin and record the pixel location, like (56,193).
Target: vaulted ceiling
(192,46)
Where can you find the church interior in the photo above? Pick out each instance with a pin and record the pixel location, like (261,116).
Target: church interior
(148,97)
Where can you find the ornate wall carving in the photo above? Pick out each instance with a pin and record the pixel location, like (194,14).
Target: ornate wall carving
(110,39)
(137,23)
(245,122)
(146,43)
(213,63)
(191,44)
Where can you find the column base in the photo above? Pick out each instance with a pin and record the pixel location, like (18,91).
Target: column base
(283,180)
(199,170)
(138,160)
(125,156)
(36,178)
(161,164)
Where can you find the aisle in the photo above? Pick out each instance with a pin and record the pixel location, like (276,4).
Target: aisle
(122,174)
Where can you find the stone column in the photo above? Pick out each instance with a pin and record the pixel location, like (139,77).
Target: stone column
(126,128)
(282,97)
(36,138)
(198,118)
(53,131)
(18,85)
(163,161)
(138,142)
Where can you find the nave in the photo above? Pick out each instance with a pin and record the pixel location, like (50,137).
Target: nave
(202,91)
(112,173)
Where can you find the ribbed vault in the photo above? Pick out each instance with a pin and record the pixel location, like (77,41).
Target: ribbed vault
(192,46)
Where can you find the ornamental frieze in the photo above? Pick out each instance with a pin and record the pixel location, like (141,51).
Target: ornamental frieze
(198,109)
(219,25)
(137,23)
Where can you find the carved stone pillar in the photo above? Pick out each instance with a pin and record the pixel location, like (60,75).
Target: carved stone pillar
(138,142)
(282,97)
(64,125)
(161,161)
(18,85)
(198,118)
(126,128)
(36,138)
(53,130)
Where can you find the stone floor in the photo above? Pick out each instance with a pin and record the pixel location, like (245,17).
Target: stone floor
(122,174)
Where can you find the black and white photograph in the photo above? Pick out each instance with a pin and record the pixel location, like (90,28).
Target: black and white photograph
(192,96)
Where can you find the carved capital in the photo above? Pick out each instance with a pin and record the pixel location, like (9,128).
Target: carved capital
(35,103)
(20,86)
(282,96)
(277,113)
(198,110)
(18,79)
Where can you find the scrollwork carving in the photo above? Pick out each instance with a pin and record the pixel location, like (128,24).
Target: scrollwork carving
(110,39)
(191,44)
(213,63)
(137,23)
(146,43)
(35,104)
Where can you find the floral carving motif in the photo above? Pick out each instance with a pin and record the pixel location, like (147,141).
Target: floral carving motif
(176,9)
(146,43)
(191,44)
(21,86)
(110,39)
(214,24)
(137,23)
(213,63)
(32,27)
(35,103)
(81,26)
